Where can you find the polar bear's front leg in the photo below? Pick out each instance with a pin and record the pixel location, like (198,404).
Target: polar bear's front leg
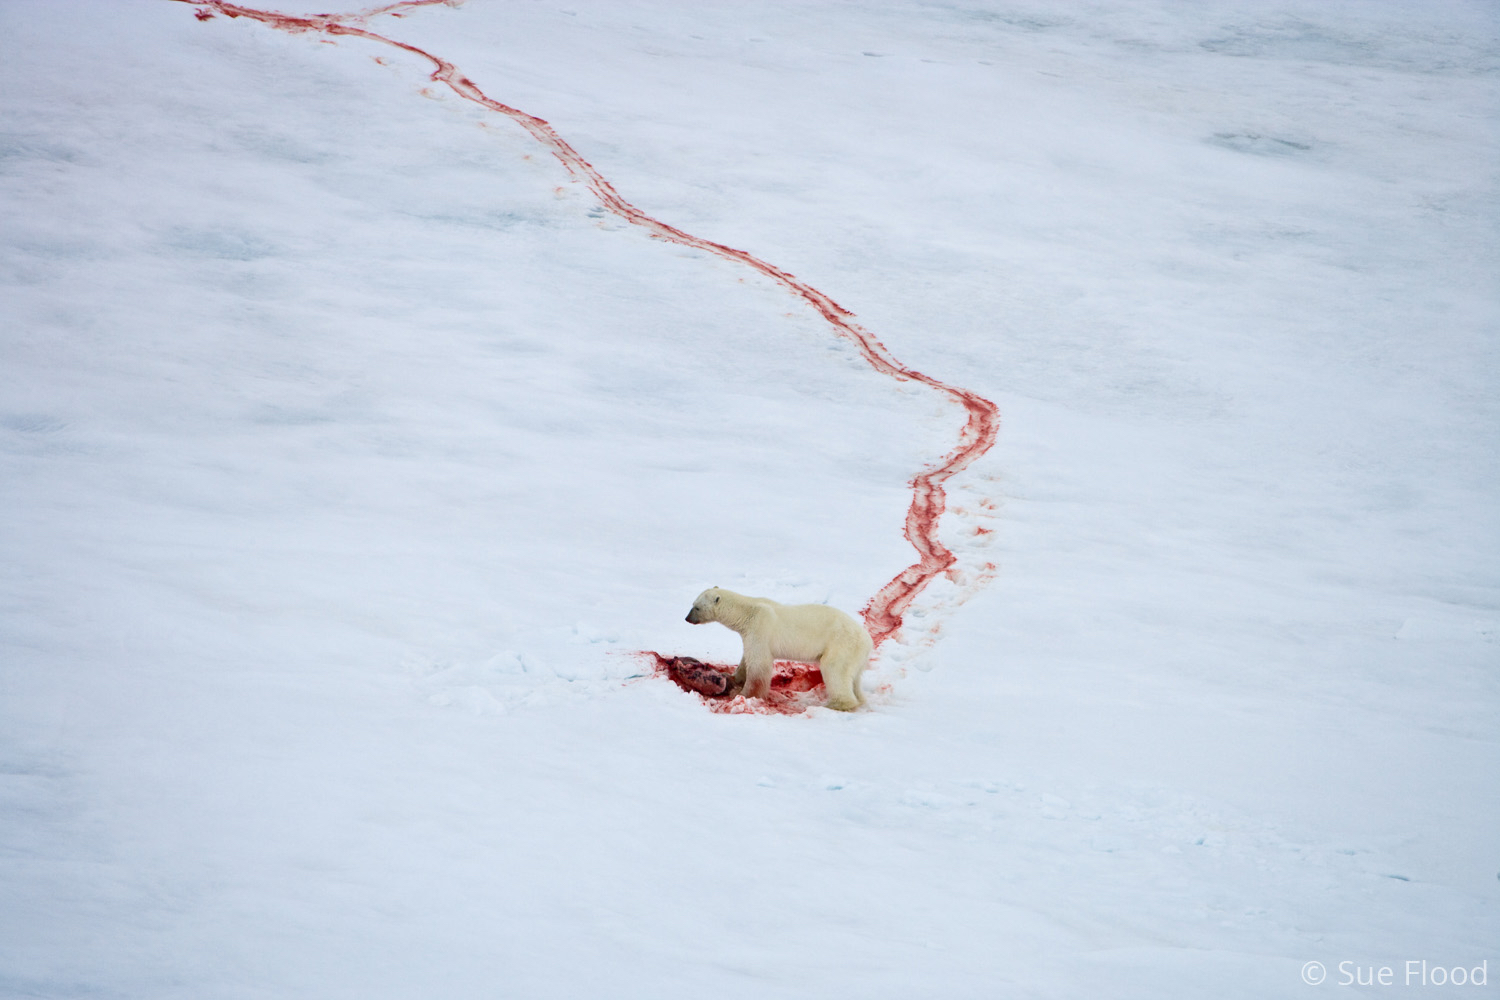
(755,670)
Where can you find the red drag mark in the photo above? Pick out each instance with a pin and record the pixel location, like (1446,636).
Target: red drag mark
(794,686)
(883,614)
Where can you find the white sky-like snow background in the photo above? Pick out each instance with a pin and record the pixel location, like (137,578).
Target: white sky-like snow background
(347,452)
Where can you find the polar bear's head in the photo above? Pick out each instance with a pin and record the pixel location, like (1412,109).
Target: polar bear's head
(705,608)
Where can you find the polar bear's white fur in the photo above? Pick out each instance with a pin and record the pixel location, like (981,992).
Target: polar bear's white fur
(809,633)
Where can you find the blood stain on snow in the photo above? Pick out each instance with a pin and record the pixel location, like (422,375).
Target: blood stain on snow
(711,683)
(883,614)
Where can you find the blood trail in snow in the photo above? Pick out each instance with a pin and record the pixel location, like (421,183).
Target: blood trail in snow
(883,613)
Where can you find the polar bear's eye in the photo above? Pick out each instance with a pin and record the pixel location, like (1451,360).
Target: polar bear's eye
(716,600)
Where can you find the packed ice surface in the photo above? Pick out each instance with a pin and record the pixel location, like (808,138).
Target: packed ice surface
(349,452)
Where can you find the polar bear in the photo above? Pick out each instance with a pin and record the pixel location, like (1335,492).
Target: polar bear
(809,633)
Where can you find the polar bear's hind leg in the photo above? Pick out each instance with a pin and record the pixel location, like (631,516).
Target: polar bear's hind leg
(841,670)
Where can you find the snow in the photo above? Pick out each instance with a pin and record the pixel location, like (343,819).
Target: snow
(349,452)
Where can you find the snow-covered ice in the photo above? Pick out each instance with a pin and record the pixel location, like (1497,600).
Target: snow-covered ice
(349,452)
